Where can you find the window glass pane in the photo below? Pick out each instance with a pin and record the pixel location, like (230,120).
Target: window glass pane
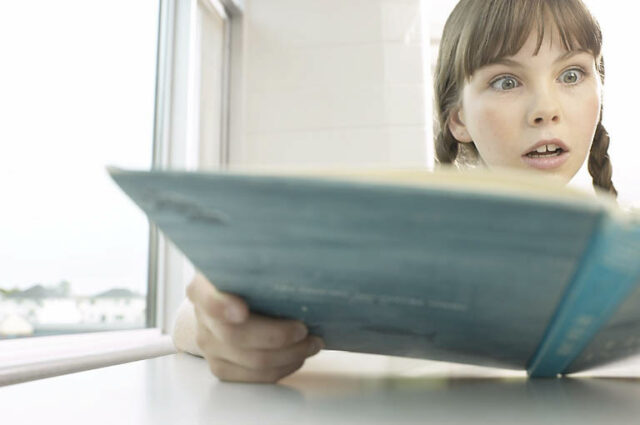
(77,84)
(211,40)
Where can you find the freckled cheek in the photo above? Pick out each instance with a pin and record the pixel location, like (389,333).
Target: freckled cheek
(495,128)
(585,115)
(593,109)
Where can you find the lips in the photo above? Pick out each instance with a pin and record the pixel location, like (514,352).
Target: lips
(546,154)
(557,142)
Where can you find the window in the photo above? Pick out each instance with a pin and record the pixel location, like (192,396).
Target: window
(78,94)
(192,118)
(138,85)
(212,41)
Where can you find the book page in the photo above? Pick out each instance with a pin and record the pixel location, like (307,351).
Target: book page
(495,181)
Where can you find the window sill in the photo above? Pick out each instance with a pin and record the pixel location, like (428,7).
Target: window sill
(42,357)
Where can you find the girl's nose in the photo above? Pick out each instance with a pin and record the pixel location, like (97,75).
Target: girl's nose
(545,109)
(545,117)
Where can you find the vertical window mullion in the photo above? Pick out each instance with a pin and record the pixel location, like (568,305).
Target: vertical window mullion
(188,135)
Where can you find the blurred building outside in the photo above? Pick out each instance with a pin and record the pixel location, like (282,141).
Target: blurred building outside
(41,310)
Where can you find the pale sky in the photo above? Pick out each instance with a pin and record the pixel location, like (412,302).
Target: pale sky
(77,86)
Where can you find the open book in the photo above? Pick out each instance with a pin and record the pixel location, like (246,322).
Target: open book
(495,269)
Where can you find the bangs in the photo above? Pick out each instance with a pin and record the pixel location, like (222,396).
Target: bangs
(500,28)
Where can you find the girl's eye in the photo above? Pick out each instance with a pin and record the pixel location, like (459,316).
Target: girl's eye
(572,76)
(504,83)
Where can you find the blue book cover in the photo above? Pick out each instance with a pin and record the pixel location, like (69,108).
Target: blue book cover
(465,274)
(598,320)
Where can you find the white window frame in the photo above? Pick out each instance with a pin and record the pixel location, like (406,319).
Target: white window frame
(33,358)
(177,120)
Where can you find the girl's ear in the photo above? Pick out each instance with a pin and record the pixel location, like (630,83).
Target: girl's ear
(457,127)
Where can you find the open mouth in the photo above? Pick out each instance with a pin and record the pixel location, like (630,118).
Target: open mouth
(546,151)
(548,155)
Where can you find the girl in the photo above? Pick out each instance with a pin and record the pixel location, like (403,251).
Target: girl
(514,76)
(517,84)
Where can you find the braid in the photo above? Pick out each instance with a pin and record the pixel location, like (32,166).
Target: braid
(451,151)
(446,147)
(599,162)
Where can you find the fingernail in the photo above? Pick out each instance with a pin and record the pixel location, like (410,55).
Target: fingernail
(233,314)
(300,333)
(315,347)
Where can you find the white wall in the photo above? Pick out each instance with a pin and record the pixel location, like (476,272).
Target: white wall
(333,82)
(621,93)
(329,82)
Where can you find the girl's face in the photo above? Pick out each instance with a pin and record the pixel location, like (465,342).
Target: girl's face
(532,112)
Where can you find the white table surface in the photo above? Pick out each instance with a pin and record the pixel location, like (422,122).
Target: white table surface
(332,388)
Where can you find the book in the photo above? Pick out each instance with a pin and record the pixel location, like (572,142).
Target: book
(499,269)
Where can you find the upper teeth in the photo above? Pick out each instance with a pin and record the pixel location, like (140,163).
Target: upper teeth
(547,148)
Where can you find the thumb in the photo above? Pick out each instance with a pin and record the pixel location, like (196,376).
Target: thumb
(215,304)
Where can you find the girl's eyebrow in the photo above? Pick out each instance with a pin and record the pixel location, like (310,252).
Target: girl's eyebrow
(513,63)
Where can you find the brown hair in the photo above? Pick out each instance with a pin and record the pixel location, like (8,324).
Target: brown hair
(478,32)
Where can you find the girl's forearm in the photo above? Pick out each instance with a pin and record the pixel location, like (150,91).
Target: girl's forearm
(184,329)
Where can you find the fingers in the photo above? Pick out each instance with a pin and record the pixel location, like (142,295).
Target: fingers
(230,372)
(231,363)
(260,332)
(217,305)
(244,346)
(266,359)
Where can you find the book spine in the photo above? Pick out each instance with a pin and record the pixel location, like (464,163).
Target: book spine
(608,272)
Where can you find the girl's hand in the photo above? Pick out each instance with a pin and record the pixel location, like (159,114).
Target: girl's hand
(242,346)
